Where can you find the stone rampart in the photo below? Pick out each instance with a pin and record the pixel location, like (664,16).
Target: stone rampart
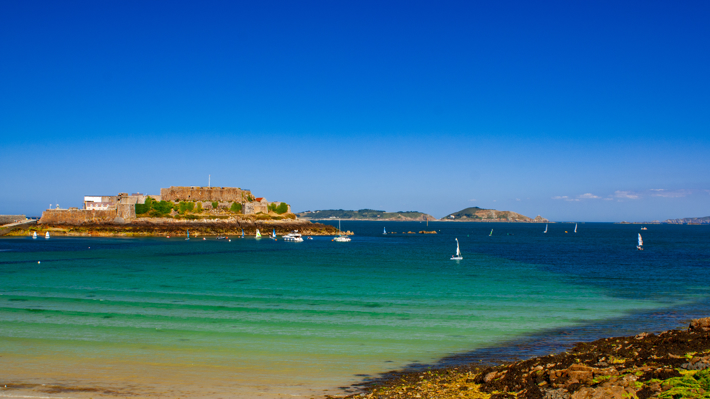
(77,217)
(221,194)
(7,219)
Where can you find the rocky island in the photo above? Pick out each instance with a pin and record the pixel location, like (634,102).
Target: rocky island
(202,210)
(476,214)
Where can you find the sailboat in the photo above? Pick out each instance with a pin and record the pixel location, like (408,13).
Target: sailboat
(273,235)
(242,233)
(341,237)
(575,227)
(640,244)
(46,235)
(384,231)
(258,235)
(491,233)
(188,235)
(34,235)
(458,252)
(545,228)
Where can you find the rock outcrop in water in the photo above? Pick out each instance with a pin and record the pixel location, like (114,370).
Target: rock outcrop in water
(476,214)
(174,227)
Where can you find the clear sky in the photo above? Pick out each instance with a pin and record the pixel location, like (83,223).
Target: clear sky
(579,111)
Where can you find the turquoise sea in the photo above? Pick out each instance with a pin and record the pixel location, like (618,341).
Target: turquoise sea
(274,319)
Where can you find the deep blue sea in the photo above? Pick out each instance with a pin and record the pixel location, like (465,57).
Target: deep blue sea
(275,319)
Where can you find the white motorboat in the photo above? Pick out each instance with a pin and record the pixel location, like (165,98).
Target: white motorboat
(458,252)
(341,237)
(293,236)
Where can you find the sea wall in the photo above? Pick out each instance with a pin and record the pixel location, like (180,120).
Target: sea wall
(7,219)
(222,194)
(77,216)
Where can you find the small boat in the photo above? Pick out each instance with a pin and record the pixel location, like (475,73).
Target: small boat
(258,234)
(221,237)
(188,235)
(458,252)
(46,235)
(491,233)
(34,235)
(644,228)
(575,227)
(273,235)
(640,243)
(545,228)
(293,236)
(384,231)
(309,237)
(341,237)
(242,233)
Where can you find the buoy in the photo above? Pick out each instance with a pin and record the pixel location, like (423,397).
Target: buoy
(230,240)
(37,261)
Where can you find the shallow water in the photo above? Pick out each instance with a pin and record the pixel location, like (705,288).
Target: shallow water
(258,318)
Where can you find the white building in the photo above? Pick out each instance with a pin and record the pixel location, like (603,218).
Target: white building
(99,202)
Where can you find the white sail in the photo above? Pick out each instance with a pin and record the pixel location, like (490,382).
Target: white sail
(640,240)
(384,230)
(46,235)
(545,229)
(258,235)
(575,227)
(34,234)
(458,251)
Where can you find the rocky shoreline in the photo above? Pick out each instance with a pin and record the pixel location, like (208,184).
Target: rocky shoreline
(161,228)
(670,365)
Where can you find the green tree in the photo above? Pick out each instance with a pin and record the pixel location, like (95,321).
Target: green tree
(282,208)
(236,207)
(215,204)
(182,208)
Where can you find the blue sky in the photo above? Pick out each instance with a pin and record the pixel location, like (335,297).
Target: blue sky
(594,111)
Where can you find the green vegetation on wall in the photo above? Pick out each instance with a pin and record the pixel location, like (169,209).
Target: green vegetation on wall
(154,208)
(236,207)
(215,204)
(186,206)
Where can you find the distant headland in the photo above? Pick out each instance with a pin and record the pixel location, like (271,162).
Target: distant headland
(474,214)
(365,214)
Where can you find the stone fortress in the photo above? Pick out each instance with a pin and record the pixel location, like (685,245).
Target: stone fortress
(122,207)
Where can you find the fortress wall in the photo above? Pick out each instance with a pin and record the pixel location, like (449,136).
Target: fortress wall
(221,194)
(79,216)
